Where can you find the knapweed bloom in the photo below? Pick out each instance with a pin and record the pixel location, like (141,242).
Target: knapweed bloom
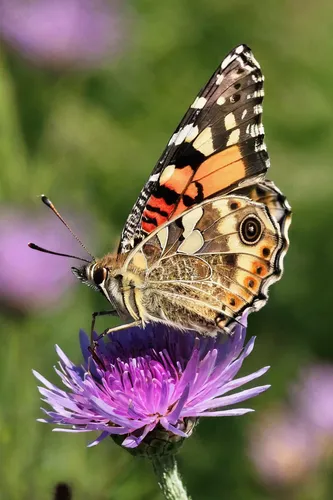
(289,444)
(312,397)
(282,448)
(149,382)
(63,33)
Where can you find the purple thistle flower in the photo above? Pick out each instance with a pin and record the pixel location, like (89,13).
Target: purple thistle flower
(288,444)
(282,448)
(29,279)
(154,379)
(63,33)
(312,397)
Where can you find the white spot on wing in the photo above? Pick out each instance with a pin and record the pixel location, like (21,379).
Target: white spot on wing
(220,101)
(182,134)
(228,222)
(239,49)
(259,78)
(192,243)
(254,130)
(167,173)
(192,134)
(172,140)
(153,178)
(244,114)
(228,60)
(260,147)
(256,93)
(219,79)
(254,61)
(204,142)
(199,103)
(221,204)
(233,137)
(261,129)
(162,236)
(190,219)
(257,109)
(230,121)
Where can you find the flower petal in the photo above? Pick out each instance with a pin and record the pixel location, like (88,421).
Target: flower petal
(175,414)
(134,441)
(100,438)
(169,427)
(225,413)
(232,399)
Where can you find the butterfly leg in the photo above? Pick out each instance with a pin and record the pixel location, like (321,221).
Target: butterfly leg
(112,312)
(117,329)
(94,343)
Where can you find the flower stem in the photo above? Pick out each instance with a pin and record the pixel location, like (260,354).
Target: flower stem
(168,477)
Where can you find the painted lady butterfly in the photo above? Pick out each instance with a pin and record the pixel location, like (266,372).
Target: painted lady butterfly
(208,233)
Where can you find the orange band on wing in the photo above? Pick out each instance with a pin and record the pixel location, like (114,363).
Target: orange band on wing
(223,179)
(192,191)
(148,226)
(214,174)
(159,203)
(157,211)
(220,161)
(180,209)
(179,179)
(160,218)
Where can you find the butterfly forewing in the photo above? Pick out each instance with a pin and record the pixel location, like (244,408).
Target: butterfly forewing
(218,146)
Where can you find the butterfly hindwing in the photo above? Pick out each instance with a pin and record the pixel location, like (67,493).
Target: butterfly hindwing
(218,146)
(207,266)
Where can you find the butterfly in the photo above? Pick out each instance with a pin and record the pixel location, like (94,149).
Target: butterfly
(208,233)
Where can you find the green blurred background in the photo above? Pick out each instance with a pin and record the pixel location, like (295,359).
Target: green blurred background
(88,137)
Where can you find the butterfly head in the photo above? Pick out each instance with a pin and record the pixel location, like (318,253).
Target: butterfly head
(93,275)
(103,275)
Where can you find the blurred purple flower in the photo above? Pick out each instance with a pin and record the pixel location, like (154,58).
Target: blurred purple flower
(282,449)
(288,444)
(63,33)
(152,378)
(30,279)
(313,397)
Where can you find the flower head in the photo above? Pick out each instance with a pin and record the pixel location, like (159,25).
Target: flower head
(290,443)
(312,396)
(154,379)
(63,32)
(282,448)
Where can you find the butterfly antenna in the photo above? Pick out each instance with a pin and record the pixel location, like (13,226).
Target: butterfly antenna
(49,204)
(44,250)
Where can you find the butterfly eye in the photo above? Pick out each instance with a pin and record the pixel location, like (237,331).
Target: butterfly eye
(99,275)
(250,230)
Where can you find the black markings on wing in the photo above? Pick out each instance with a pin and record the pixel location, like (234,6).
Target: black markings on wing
(229,109)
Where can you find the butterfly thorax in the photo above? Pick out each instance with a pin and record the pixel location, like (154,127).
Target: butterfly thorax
(143,293)
(120,286)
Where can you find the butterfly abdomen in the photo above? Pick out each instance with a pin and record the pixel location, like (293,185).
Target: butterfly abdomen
(180,308)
